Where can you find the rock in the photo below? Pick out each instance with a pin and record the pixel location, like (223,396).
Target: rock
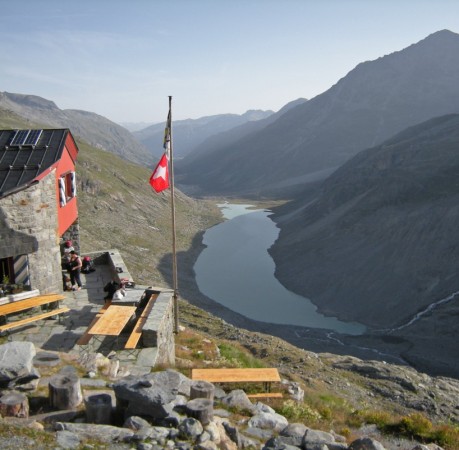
(111,369)
(313,438)
(276,443)
(260,407)
(207,445)
(105,433)
(26,383)
(238,399)
(160,433)
(293,434)
(248,443)
(190,429)
(295,391)
(213,431)
(272,421)
(233,433)
(225,442)
(135,423)
(148,395)
(15,360)
(67,439)
(43,358)
(258,433)
(366,443)
(92,361)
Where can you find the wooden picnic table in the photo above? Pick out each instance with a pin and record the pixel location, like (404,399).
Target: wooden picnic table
(113,321)
(26,304)
(250,375)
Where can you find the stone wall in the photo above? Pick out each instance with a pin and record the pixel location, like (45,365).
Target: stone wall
(28,226)
(158,330)
(72,234)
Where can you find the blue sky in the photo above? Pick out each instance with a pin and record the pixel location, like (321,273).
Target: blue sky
(122,58)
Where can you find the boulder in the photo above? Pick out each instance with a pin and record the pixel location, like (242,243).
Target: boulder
(105,433)
(149,395)
(272,421)
(190,429)
(238,399)
(293,434)
(16,361)
(366,443)
(313,439)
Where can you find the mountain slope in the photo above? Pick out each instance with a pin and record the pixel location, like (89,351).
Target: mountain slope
(374,101)
(189,134)
(94,129)
(380,240)
(231,137)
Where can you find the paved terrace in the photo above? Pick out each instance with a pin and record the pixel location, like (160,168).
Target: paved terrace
(62,335)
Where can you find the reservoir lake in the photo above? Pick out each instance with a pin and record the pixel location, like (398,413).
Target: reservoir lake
(236,270)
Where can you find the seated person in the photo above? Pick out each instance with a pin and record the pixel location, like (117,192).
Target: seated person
(119,293)
(88,265)
(110,288)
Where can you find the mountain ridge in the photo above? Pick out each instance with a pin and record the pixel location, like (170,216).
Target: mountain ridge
(372,102)
(188,134)
(93,128)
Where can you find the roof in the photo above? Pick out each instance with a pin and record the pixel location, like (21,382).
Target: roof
(25,154)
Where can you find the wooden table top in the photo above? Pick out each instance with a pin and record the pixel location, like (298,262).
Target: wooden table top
(113,320)
(236,375)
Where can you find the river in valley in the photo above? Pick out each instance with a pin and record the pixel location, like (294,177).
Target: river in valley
(236,270)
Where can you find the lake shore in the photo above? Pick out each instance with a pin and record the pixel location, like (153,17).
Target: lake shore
(311,339)
(406,348)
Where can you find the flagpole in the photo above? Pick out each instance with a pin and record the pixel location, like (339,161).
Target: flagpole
(174,250)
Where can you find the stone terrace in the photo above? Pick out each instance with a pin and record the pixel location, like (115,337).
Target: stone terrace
(62,335)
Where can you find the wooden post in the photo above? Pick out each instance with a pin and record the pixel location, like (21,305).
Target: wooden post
(99,409)
(201,409)
(65,391)
(14,404)
(202,389)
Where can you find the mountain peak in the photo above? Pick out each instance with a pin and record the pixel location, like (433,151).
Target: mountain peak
(33,101)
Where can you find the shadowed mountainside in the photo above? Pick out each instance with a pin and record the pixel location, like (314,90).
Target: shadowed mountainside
(379,241)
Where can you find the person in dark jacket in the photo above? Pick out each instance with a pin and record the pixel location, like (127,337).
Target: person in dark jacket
(75,265)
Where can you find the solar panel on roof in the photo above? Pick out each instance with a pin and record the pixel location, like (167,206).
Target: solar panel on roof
(20,137)
(26,137)
(33,137)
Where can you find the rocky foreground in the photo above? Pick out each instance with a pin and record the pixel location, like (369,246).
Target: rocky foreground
(166,409)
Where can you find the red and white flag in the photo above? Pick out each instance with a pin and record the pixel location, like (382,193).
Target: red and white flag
(159,179)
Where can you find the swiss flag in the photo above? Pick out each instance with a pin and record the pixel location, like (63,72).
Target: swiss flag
(159,179)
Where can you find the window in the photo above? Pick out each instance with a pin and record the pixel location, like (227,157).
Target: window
(6,271)
(67,187)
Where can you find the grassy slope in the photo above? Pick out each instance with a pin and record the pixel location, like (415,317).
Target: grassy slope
(119,209)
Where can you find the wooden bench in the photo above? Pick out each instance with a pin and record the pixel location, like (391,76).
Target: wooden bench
(266,395)
(137,331)
(86,337)
(24,305)
(263,375)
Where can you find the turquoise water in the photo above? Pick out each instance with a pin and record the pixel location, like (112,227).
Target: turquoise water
(236,270)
